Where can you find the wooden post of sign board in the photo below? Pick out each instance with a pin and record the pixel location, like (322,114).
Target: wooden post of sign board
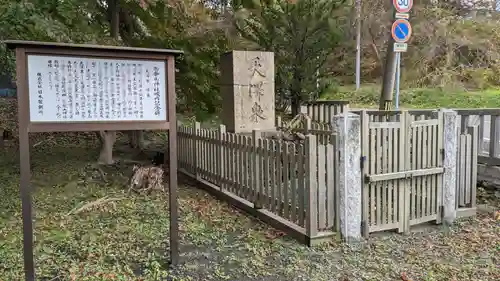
(24,158)
(33,117)
(172,142)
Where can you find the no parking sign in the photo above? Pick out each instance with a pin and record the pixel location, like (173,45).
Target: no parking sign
(401,31)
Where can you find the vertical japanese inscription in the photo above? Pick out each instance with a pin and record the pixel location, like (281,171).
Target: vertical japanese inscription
(64,93)
(83,89)
(76,83)
(156,90)
(40,92)
(106,90)
(255,89)
(130,93)
(141,95)
(118,107)
(124,90)
(73,89)
(94,90)
(69,91)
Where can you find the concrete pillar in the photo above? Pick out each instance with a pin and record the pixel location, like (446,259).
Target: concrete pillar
(348,128)
(450,146)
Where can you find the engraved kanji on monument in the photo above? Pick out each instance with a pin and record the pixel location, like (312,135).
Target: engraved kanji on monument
(247,88)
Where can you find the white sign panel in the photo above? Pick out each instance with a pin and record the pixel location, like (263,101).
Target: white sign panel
(76,89)
(402,16)
(400,47)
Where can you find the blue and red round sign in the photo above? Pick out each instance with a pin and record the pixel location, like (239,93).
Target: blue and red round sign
(401,31)
(402,6)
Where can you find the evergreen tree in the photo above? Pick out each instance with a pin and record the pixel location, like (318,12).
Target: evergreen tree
(302,35)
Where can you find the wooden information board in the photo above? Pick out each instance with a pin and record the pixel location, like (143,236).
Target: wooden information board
(66,87)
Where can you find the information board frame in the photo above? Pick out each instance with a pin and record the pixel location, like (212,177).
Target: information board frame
(23,49)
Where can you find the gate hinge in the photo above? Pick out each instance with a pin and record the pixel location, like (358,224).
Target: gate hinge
(367,179)
(442,153)
(362,162)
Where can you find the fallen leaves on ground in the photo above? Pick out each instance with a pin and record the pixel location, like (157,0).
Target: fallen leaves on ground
(128,239)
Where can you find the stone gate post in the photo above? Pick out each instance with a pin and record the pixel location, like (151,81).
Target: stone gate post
(348,128)
(450,146)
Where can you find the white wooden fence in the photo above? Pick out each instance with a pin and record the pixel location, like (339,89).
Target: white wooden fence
(488,122)
(296,184)
(323,111)
(293,181)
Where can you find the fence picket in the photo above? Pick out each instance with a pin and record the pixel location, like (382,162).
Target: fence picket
(245,168)
(285,187)
(372,170)
(279,178)
(433,163)
(266,181)
(473,131)
(418,165)
(461,171)
(384,169)
(311,186)
(330,180)
(241,180)
(402,189)
(426,164)
(293,181)
(379,169)
(390,168)
(413,192)
(468,168)
(231,162)
(321,186)
(274,167)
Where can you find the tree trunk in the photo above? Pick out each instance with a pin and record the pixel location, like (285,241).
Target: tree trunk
(296,91)
(114,6)
(1,138)
(108,139)
(136,139)
(295,105)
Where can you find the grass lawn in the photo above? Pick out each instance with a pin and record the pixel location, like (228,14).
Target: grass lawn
(369,95)
(127,237)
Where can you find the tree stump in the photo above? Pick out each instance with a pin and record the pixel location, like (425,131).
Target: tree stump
(147,179)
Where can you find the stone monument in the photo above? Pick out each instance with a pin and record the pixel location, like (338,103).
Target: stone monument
(247,89)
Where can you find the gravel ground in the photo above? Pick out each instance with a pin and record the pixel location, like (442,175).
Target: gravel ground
(125,239)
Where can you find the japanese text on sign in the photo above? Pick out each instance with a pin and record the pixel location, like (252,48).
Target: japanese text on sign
(76,89)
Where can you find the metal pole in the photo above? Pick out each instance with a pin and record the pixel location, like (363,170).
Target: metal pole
(398,77)
(358,44)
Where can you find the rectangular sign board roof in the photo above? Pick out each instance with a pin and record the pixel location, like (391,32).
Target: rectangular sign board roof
(12,44)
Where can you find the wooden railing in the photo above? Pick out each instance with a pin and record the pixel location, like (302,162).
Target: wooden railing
(294,181)
(296,184)
(323,111)
(488,123)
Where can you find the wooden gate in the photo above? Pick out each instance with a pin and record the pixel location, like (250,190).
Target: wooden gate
(402,168)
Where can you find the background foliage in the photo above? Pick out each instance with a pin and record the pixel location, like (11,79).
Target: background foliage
(311,39)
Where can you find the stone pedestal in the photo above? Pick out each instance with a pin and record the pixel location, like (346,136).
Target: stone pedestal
(348,126)
(247,89)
